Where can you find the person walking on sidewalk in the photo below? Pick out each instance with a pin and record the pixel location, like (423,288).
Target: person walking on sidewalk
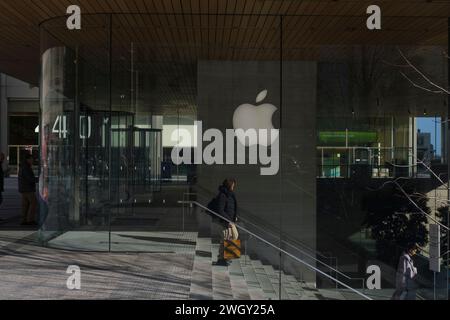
(2,178)
(27,187)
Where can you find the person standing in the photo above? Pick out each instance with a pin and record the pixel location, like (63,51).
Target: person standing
(406,272)
(2,178)
(27,187)
(227,208)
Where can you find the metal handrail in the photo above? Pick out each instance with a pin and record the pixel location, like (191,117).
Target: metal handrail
(307,254)
(302,251)
(331,268)
(266,231)
(277,248)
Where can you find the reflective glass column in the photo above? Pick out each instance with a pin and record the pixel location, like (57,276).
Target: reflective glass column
(75,141)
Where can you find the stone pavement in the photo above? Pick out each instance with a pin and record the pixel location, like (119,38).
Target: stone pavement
(28,271)
(10,208)
(144,264)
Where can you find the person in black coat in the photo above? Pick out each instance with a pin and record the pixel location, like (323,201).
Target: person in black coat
(2,177)
(227,208)
(27,187)
(227,204)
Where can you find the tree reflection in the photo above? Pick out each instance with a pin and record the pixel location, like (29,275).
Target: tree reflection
(395,222)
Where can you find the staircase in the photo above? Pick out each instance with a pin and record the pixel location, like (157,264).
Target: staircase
(251,277)
(246,279)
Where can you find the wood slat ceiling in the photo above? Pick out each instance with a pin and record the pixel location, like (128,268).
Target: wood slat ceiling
(186,30)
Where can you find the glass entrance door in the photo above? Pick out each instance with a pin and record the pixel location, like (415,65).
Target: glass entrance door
(137,170)
(146,165)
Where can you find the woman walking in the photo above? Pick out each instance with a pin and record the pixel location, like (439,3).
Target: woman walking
(406,272)
(227,208)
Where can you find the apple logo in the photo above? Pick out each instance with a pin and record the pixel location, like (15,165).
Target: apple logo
(248,116)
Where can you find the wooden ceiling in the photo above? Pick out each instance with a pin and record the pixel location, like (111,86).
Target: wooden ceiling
(185,30)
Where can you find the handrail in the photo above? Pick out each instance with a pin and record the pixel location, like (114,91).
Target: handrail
(294,240)
(307,254)
(277,248)
(305,247)
(291,245)
(265,230)
(331,268)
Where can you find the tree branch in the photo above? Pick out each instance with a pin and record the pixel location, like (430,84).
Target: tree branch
(418,207)
(422,74)
(420,87)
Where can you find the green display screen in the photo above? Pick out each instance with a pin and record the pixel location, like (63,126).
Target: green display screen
(354,137)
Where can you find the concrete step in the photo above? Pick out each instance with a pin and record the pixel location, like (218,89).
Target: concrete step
(288,292)
(332,294)
(315,293)
(285,292)
(264,280)
(201,280)
(259,285)
(303,290)
(221,282)
(237,280)
(245,278)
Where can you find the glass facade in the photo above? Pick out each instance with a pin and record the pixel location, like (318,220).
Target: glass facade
(117,97)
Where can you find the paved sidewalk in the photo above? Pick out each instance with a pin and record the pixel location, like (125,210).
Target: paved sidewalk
(10,208)
(10,214)
(28,271)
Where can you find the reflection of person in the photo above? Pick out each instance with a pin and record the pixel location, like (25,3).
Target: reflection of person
(27,187)
(406,272)
(2,177)
(227,208)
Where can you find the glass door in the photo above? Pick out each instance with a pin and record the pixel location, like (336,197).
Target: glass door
(138,157)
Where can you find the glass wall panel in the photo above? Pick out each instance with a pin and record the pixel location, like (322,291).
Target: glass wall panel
(140,126)
(387,193)
(74,177)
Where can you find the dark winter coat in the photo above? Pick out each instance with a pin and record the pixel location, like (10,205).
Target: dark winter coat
(2,179)
(227,204)
(27,180)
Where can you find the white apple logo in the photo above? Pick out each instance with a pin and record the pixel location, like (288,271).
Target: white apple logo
(248,116)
